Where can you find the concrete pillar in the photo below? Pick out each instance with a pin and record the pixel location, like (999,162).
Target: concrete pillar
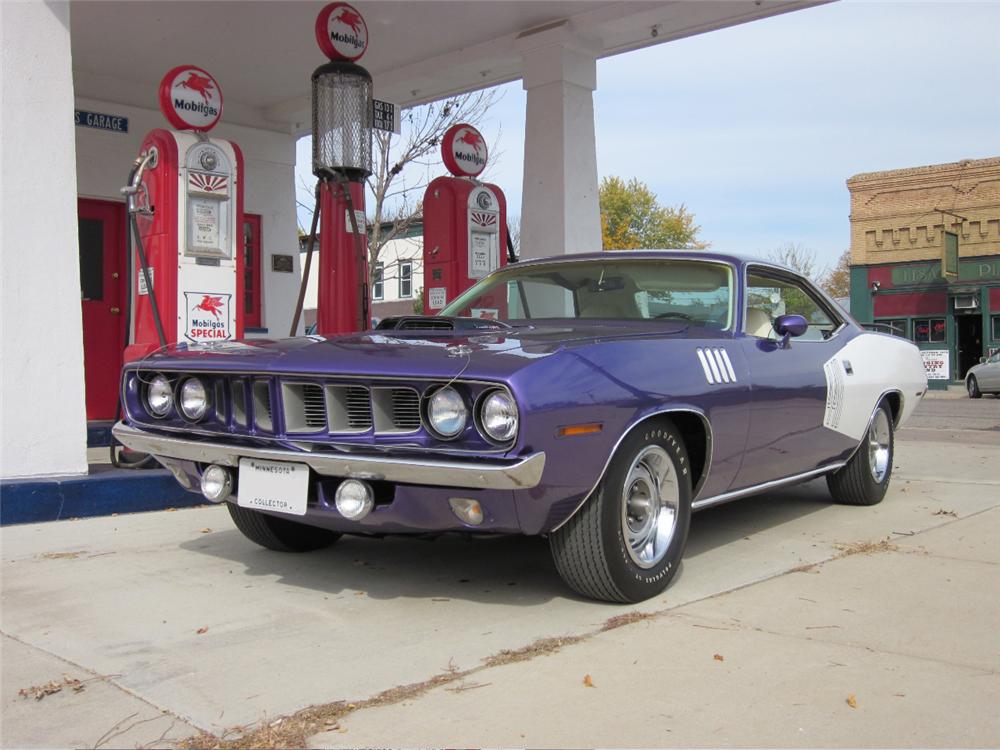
(44,428)
(559,212)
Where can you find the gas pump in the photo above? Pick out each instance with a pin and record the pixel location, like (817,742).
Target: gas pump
(465,226)
(341,160)
(185,202)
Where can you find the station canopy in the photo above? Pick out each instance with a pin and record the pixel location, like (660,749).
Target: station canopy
(263,53)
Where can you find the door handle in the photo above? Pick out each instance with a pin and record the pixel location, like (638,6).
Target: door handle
(116,310)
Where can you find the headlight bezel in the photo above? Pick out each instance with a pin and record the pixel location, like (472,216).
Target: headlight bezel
(171,402)
(429,423)
(481,402)
(206,403)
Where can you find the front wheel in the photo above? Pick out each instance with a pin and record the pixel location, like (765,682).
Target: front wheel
(865,478)
(625,543)
(280,534)
(973,385)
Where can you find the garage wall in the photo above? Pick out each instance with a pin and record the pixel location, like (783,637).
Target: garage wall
(104,159)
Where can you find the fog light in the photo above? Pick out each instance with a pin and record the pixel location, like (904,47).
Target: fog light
(216,483)
(355,499)
(468,511)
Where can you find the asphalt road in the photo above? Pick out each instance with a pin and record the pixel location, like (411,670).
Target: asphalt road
(952,417)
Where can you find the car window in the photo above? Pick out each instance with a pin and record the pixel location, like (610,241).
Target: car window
(769,297)
(693,292)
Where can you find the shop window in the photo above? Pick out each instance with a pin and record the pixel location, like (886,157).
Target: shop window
(251,271)
(929,330)
(897,327)
(405,279)
(995,322)
(378,281)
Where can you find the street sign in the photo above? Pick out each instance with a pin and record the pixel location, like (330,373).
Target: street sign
(101,121)
(385,116)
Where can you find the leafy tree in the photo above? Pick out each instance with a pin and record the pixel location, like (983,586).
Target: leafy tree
(838,282)
(632,217)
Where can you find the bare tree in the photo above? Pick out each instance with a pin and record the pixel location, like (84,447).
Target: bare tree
(514,232)
(403,164)
(802,259)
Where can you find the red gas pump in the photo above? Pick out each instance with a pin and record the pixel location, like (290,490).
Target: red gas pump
(342,157)
(465,226)
(186,208)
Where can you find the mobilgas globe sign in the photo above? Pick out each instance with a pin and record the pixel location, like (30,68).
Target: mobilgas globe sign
(464,151)
(341,32)
(190,98)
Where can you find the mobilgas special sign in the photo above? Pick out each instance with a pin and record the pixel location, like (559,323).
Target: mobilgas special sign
(208,317)
(100,121)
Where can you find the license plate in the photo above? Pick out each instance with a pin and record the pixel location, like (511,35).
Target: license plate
(273,485)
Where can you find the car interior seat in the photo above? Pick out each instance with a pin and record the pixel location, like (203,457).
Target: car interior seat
(759,323)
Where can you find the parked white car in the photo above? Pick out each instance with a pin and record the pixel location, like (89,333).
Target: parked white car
(984,377)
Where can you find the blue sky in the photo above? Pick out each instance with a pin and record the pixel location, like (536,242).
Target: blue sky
(756,128)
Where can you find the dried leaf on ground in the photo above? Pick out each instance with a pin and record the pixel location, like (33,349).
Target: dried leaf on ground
(718,657)
(202,631)
(944,512)
(852,701)
(588,681)
(206,530)
(51,688)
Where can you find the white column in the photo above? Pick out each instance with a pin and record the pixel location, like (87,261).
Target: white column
(559,212)
(43,429)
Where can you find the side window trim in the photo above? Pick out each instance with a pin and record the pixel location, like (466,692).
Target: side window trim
(780,274)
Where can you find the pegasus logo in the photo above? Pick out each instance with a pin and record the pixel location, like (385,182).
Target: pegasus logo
(350,18)
(472,139)
(200,85)
(211,305)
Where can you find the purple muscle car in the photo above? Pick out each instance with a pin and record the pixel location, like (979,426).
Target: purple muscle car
(594,399)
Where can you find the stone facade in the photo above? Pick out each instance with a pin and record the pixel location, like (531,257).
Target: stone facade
(901,214)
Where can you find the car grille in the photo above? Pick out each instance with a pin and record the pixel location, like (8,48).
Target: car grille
(348,409)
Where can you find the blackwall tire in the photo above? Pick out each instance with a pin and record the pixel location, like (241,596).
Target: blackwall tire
(865,478)
(973,387)
(280,534)
(625,544)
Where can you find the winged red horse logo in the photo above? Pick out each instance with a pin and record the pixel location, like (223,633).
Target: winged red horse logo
(199,84)
(349,18)
(471,139)
(210,304)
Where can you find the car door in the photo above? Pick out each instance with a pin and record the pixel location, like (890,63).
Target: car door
(789,391)
(989,374)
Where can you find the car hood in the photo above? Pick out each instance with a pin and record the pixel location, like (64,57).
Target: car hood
(488,355)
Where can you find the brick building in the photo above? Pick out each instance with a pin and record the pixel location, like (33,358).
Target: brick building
(925,259)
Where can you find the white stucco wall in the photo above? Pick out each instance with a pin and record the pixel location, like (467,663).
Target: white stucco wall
(42,415)
(104,159)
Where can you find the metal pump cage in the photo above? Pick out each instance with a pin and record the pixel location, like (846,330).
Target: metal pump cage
(342,120)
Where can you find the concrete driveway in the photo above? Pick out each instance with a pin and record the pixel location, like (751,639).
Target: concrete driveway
(787,610)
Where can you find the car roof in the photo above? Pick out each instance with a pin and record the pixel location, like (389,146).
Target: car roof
(736,259)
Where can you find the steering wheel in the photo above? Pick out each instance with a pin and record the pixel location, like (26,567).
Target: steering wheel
(674,314)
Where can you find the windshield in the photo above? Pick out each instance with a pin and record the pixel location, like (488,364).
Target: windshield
(698,292)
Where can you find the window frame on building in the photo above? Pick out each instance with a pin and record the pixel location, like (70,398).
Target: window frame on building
(405,276)
(894,325)
(930,330)
(253,255)
(378,282)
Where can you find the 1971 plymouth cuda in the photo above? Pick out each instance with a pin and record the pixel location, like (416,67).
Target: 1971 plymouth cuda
(595,399)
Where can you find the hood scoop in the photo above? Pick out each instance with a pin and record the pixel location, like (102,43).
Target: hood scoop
(435,323)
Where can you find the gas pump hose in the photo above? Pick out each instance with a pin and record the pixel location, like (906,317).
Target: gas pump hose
(309,256)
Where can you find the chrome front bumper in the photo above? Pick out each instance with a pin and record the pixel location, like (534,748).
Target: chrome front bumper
(518,474)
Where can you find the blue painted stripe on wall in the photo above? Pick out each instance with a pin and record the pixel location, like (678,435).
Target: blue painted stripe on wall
(99,494)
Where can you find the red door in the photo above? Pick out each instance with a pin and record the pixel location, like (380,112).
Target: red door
(102,286)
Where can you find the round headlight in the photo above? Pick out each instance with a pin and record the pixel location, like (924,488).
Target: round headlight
(194,399)
(446,412)
(159,396)
(498,416)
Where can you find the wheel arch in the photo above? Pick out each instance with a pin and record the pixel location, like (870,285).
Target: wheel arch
(696,434)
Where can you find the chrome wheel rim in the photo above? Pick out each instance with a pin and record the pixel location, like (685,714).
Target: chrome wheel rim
(650,503)
(879,446)
(971,385)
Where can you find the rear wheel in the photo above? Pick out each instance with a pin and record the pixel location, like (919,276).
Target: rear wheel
(625,543)
(973,386)
(279,534)
(865,478)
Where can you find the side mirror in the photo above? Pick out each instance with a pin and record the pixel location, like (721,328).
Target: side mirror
(982,360)
(787,326)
